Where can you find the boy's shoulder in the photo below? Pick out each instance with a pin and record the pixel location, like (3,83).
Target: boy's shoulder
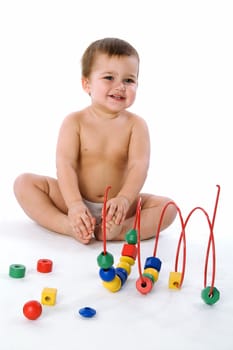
(74,117)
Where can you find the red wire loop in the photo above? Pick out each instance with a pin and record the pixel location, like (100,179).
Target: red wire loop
(104,219)
(211,242)
(182,237)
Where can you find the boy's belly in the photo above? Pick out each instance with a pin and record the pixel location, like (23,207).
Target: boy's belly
(94,180)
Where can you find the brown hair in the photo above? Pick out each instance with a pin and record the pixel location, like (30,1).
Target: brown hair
(109,46)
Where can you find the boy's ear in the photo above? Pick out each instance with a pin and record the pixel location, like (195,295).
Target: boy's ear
(86,85)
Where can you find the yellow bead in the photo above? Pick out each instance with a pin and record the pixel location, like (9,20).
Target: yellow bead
(48,296)
(127,259)
(174,280)
(125,266)
(152,272)
(113,285)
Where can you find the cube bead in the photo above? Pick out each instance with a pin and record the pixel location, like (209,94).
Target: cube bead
(175,280)
(48,296)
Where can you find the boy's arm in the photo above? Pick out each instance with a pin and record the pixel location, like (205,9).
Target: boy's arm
(66,160)
(138,164)
(67,154)
(138,161)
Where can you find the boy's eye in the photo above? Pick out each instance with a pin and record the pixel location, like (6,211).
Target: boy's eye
(129,81)
(108,77)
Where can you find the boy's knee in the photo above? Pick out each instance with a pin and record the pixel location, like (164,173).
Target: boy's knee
(20,183)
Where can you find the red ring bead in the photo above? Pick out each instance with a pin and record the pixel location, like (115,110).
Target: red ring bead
(144,285)
(44,265)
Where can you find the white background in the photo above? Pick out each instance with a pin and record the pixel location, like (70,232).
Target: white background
(185,94)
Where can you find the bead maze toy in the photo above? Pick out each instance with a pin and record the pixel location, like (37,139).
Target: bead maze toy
(114,278)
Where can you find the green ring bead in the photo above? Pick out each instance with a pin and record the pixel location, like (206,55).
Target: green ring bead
(210,299)
(17,271)
(105,260)
(149,276)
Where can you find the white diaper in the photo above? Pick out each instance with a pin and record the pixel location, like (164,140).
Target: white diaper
(95,209)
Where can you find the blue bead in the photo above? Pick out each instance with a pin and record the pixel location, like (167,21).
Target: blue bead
(107,275)
(87,312)
(153,262)
(122,273)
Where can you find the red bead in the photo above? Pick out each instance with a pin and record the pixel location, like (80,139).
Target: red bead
(32,310)
(44,265)
(144,285)
(129,250)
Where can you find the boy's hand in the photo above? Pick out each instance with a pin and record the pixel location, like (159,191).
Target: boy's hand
(117,209)
(81,220)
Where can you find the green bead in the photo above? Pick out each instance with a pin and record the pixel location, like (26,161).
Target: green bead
(149,276)
(17,271)
(131,236)
(210,299)
(105,260)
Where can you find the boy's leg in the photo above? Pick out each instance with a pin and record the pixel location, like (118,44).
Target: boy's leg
(41,199)
(151,209)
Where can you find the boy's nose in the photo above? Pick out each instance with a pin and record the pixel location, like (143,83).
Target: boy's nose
(121,86)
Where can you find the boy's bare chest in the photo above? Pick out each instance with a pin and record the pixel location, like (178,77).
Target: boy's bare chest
(106,141)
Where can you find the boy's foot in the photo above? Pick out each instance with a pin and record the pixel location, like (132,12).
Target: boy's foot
(112,231)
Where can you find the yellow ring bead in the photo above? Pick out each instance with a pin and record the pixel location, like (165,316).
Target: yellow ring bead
(127,259)
(114,285)
(125,266)
(152,272)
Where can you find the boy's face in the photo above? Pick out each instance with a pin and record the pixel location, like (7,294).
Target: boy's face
(113,82)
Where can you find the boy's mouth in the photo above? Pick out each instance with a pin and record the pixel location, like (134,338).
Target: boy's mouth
(117,97)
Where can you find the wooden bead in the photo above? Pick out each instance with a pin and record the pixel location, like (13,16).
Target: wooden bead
(44,265)
(87,312)
(122,273)
(32,309)
(114,285)
(105,260)
(127,259)
(153,262)
(124,265)
(17,271)
(48,296)
(149,276)
(129,250)
(144,285)
(174,280)
(131,236)
(107,274)
(208,298)
(152,272)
